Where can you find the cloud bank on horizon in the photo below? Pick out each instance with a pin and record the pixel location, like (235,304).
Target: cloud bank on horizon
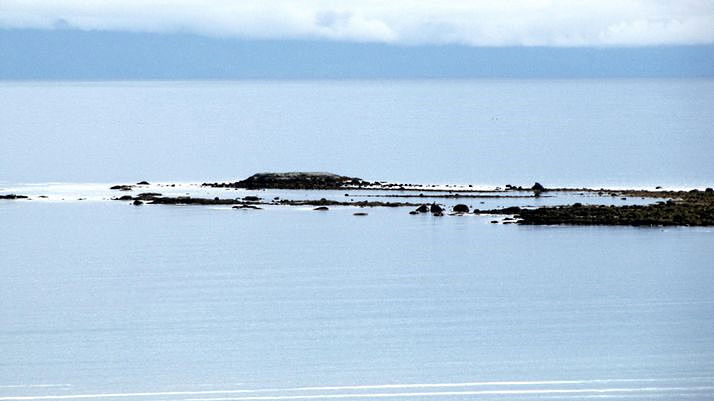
(468,22)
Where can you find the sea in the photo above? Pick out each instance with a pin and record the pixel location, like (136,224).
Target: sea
(104,300)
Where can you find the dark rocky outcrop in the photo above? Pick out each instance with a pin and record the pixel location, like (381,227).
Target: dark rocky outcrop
(122,187)
(538,187)
(434,208)
(142,183)
(251,198)
(246,206)
(359,214)
(293,180)
(321,208)
(13,196)
(668,213)
(461,208)
(422,209)
(137,203)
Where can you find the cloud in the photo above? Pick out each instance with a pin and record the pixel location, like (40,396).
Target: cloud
(470,22)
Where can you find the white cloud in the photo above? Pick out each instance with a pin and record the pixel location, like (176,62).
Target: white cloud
(472,22)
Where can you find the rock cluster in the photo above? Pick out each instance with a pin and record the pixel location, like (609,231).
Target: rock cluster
(293,180)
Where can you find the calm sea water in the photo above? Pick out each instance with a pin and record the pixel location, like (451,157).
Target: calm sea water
(566,132)
(100,300)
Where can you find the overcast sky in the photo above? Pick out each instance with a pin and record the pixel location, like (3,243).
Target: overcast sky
(470,22)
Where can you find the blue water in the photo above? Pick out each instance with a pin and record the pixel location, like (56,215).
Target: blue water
(100,300)
(562,132)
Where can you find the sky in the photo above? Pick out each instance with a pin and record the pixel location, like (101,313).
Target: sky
(414,38)
(469,22)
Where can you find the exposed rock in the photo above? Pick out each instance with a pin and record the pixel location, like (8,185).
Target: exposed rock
(142,183)
(246,206)
(137,203)
(434,208)
(122,187)
(251,198)
(359,214)
(461,208)
(321,208)
(538,187)
(422,209)
(13,196)
(413,212)
(693,209)
(293,180)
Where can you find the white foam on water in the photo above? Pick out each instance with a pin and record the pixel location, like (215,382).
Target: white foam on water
(458,393)
(33,385)
(505,391)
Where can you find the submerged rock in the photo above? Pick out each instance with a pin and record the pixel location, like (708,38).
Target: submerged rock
(359,214)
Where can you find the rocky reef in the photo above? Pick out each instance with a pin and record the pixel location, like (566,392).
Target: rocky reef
(693,208)
(669,208)
(690,209)
(292,180)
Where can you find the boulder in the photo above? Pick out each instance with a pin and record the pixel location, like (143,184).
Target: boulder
(359,214)
(538,187)
(422,209)
(461,208)
(434,208)
(142,183)
(122,187)
(321,208)
(137,203)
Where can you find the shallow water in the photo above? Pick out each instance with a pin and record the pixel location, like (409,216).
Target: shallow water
(100,298)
